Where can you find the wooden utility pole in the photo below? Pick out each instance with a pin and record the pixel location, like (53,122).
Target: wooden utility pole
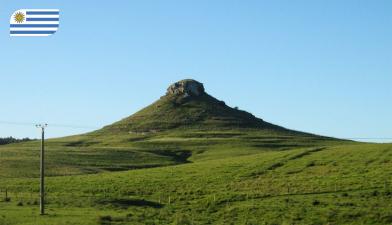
(42,169)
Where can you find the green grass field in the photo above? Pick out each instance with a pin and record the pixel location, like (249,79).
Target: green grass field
(197,161)
(233,179)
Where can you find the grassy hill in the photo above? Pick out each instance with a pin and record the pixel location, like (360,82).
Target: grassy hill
(183,126)
(191,159)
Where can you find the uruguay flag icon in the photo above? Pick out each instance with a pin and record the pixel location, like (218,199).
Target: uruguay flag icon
(34,22)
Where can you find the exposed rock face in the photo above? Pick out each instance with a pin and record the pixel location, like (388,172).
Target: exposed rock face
(186,88)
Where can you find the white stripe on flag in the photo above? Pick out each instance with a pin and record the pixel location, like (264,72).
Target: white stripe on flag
(41,10)
(38,22)
(42,16)
(32,28)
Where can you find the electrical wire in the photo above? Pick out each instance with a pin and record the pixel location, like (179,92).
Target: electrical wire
(50,124)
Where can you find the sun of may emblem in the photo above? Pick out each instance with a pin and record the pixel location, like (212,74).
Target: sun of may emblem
(19,17)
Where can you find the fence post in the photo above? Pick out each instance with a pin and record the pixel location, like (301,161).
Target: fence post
(288,188)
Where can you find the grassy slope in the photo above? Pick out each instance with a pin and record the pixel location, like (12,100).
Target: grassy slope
(176,111)
(343,184)
(171,131)
(92,153)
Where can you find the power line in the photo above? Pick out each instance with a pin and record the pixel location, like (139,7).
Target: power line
(51,124)
(17,123)
(73,126)
(377,138)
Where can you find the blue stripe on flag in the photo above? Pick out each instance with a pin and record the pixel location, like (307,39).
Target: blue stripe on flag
(32,32)
(42,13)
(34,25)
(42,19)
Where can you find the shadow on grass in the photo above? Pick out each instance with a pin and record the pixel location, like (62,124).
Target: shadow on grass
(126,203)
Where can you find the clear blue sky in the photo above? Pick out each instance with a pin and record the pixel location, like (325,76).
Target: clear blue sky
(318,66)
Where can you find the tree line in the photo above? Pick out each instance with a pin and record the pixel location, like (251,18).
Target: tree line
(9,140)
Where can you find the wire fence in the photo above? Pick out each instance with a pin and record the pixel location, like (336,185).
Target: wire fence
(231,192)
